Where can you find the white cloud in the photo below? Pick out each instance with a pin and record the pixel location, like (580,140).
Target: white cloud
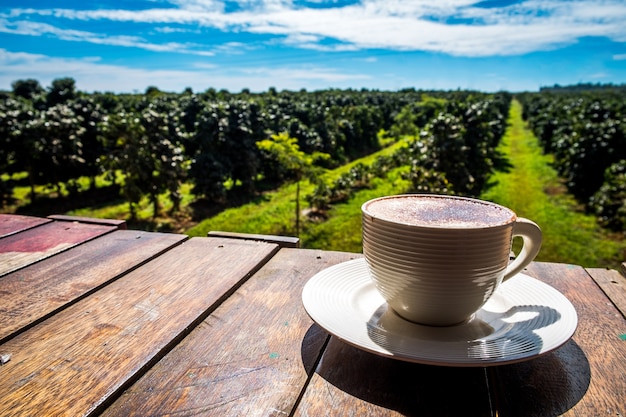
(169,29)
(306,73)
(200,5)
(599,75)
(39,29)
(232,48)
(456,27)
(395,25)
(200,76)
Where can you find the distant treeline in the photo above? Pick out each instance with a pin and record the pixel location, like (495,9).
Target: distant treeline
(583,87)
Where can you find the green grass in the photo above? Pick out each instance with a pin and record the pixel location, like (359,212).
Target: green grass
(109,206)
(533,190)
(274,212)
(342,230)
(120,209)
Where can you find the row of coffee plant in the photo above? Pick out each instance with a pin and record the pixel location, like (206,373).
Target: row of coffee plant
(452,150)
(586,133)
(149,144)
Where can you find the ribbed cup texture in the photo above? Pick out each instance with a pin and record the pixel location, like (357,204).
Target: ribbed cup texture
(435,276)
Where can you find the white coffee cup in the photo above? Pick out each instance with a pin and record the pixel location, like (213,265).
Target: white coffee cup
(437,259)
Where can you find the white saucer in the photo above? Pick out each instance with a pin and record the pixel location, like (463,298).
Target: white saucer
(525,318)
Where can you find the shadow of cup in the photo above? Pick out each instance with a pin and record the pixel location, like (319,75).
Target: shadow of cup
(546,386)
(488,337)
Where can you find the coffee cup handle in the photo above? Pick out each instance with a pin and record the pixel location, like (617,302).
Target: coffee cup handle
(531,236)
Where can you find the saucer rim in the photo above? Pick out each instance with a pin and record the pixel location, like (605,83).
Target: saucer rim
(565,307)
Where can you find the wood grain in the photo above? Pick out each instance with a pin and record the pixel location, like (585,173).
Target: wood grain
(119,224)
(583,378)
(14,223)
(613,284)
(282,241)
(351,382)
(121,323)
(31,294)
(251,357)
(32,245)
(75,361)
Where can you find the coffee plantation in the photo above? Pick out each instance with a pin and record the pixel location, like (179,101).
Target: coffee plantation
(150,144)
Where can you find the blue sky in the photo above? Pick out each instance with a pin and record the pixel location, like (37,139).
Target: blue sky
(490,45)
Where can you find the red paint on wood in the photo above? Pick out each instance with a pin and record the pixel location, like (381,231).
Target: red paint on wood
(51,235)
(13,223)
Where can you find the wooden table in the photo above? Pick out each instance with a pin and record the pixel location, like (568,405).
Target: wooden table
(97,320)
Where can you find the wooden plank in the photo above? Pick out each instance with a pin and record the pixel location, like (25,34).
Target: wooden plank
(250,357)
(36,291)
(74,362)
(120,224)
(613,284)
(585,376)
(349,381)
(282,241)
(32,245)
(15,223)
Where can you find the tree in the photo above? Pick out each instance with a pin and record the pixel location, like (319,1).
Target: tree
(25,125)
(446,135)
(152,91)
(609,202)
(405,123)
(60,135)
(209,168)
(27,89)
(123,136)
(238,133)
(164,154)
(10,131)
(61,90)
(285,150)
(89,114)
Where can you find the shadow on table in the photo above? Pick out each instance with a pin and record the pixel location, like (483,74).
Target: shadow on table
(545,386)
(488,336)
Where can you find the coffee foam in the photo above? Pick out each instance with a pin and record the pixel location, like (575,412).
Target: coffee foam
(439,211)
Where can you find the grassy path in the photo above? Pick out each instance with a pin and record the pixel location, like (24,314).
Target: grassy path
(533,190)
(274,213)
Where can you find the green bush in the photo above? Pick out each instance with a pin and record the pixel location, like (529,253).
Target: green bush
(609,203)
